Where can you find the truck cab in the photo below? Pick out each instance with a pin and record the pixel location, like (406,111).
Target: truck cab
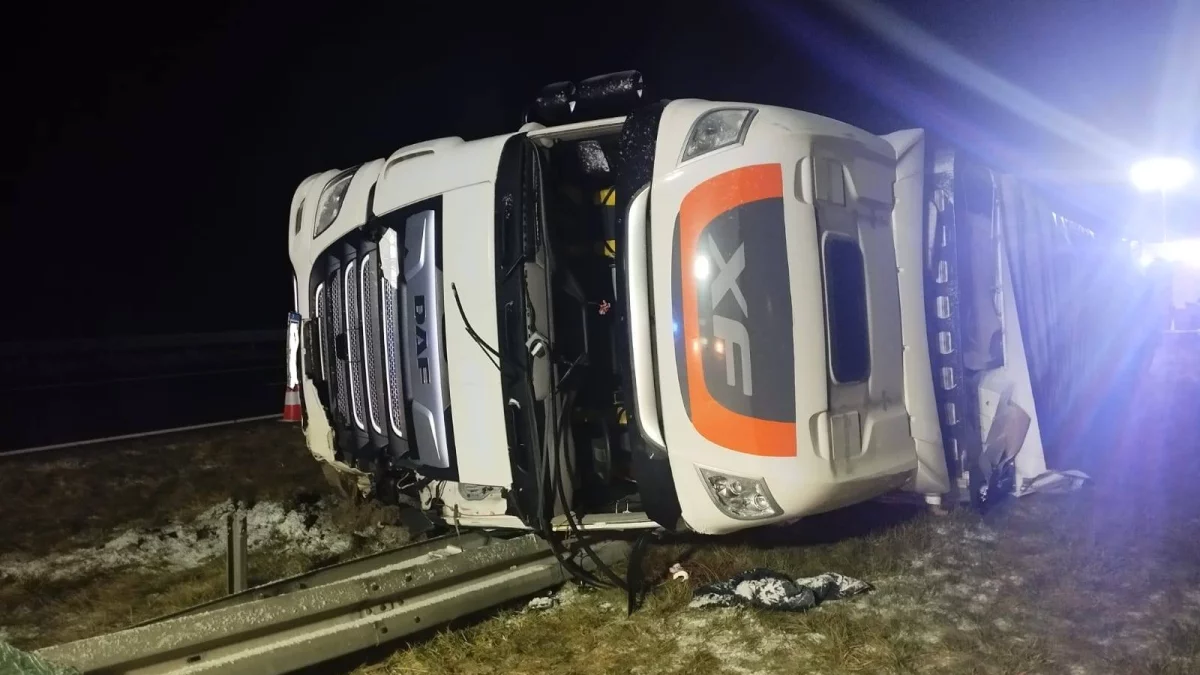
(691,316)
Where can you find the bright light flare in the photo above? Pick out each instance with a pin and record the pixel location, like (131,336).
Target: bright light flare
(1181,251)
(1161,174)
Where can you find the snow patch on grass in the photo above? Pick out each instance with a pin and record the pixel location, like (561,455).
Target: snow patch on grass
(735,637)
(307,529)
(568,594)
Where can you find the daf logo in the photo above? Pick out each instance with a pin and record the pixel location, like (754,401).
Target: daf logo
(422,337)
(729,329)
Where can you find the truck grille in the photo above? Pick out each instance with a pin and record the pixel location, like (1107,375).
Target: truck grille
(358,329)
(379,308)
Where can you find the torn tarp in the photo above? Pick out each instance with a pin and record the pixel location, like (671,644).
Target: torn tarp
(768,589)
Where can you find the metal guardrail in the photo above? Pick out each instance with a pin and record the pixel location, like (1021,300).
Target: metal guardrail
(28,348)
(126,379)
(140,434)
(333,612)
(410,554)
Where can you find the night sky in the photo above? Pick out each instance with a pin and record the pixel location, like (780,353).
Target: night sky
(152,150)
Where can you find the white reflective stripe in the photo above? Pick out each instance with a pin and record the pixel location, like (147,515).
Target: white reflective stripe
(293,354)
(394,388)
(318,299)
(389,277)
(389,256)
(641,338)
(362,305)
(349,327)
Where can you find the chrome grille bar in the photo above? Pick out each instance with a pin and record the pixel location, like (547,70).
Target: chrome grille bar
(319,315)
(336,328)
(354,343)
(389,257)
(370,340)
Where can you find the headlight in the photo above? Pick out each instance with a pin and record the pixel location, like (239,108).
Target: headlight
(717,129)
(738,497)
(330,204)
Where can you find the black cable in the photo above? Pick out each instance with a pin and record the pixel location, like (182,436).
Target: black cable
(546,526)
(634,578)
(548,533)
(557,486)
(558,415)
(570,367)
(556,448)
(560,489)
(487,349)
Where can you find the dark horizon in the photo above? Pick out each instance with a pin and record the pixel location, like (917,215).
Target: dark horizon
(155,150)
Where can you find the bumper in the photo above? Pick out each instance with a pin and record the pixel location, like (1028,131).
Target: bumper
(799,487)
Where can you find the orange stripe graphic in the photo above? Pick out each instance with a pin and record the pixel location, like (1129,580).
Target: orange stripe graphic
(707,201)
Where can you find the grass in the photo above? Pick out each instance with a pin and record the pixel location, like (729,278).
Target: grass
(1101,581)
(61,500)
(1047,588)
(43,612)
(64,500)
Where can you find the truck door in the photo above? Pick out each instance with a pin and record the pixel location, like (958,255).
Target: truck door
(852,192)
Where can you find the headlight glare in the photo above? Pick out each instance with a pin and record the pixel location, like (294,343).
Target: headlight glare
(739,497)
(330,204)
(717,129)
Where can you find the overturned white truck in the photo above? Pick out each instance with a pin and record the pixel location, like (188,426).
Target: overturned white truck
(687,315)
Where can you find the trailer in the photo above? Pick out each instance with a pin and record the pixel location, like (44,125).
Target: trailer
(693,315)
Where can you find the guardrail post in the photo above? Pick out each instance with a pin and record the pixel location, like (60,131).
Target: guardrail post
(236,566)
